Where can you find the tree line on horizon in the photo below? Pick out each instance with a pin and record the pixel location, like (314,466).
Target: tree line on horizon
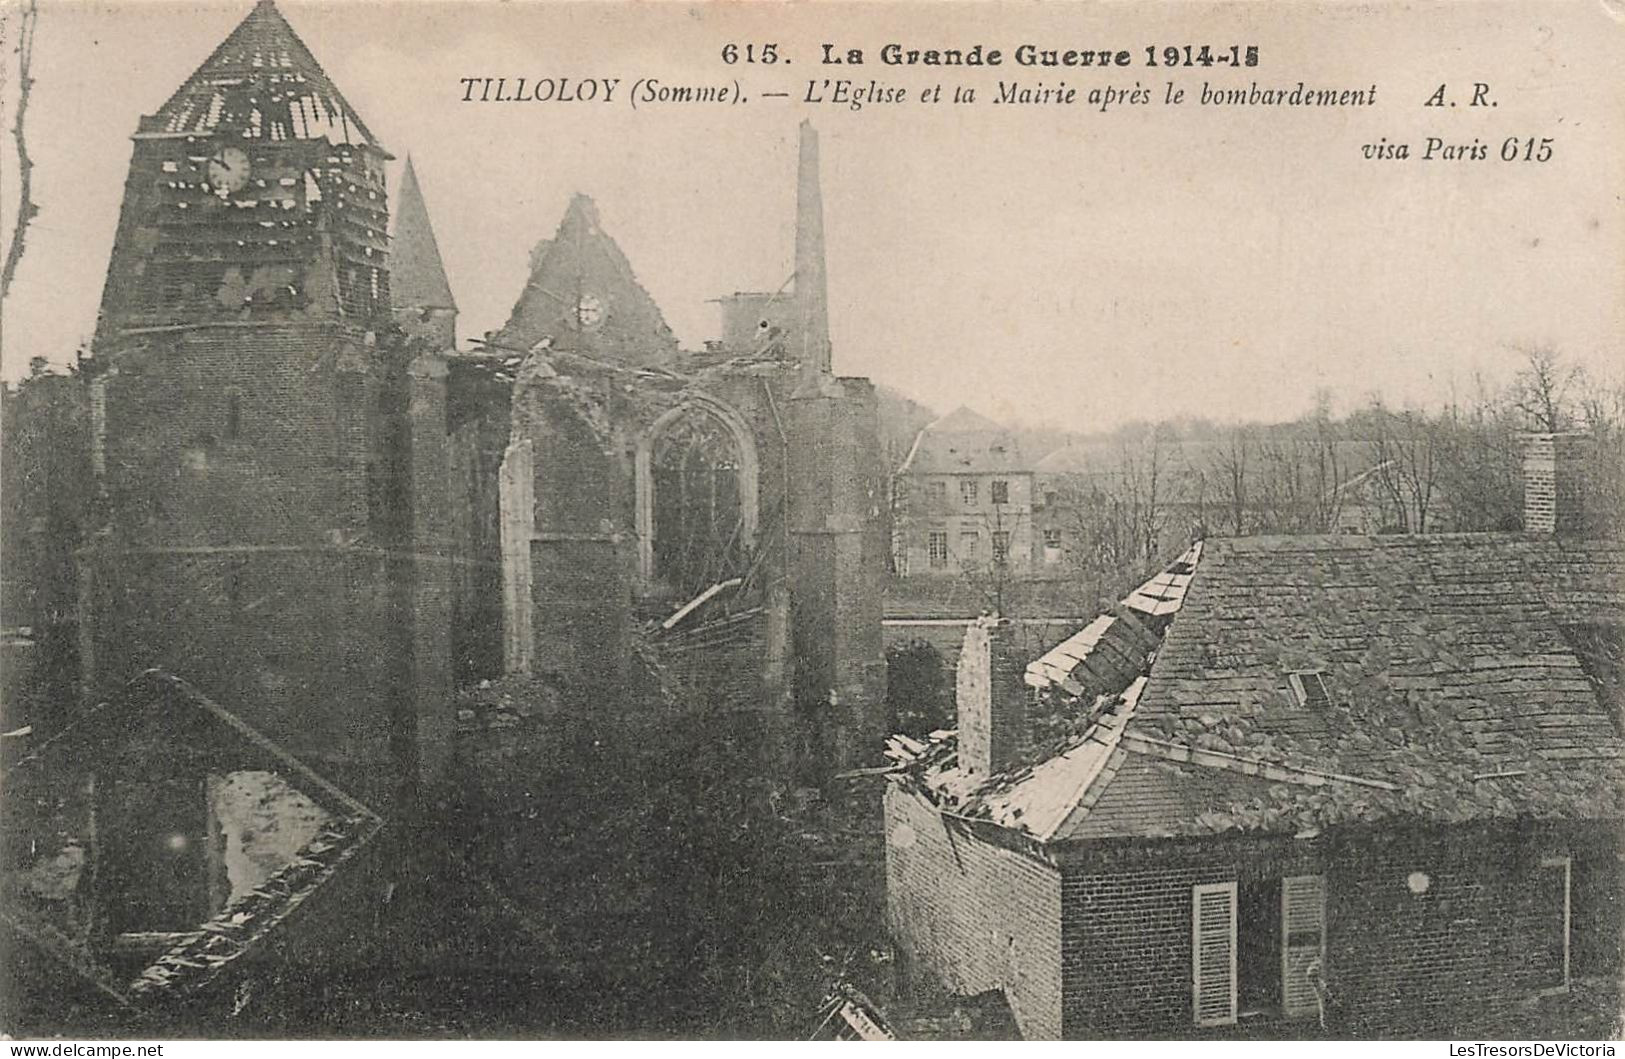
(1136,496)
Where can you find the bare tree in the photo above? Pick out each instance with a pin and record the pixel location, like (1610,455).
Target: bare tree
(1602,407)
(1541,389)
(1327,471)
(1480,460)
(1407,464)
(1142,484)
(1231,468)
(27,18)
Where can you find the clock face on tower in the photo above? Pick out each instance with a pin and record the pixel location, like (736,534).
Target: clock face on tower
(589,312)
(228,170)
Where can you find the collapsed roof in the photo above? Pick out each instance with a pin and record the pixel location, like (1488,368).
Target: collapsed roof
(261,83)
(101,814)
(1306,682)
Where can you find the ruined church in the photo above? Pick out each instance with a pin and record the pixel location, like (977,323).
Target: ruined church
(313,507)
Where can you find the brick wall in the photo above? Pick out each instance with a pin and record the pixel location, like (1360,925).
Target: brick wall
(45,485)
(303,643)
(478,434)
(990,699)
(1100,946)
(1399,965)
(279,537)
(837,563)
(581,552)
(1126,936)
(1407,965)
(970,915)
(1554,486)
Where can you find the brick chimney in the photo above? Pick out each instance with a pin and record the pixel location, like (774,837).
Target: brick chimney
(1554,467)
(992,699)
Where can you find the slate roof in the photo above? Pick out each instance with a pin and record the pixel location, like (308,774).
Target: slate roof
(1415,637)
(262,83)
(1141,793)
(1107,654)
(964,442)
(1450,675)
(1456,695)
(417,276)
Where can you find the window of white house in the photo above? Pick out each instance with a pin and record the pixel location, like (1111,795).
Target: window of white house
(936,546)
(969,546)
(1257,946)
(1001,491)
(967,490)
(1550,953)
(1001,547)
(936,492)
(1052,546)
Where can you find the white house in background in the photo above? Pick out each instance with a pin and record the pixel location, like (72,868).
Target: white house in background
(963,500)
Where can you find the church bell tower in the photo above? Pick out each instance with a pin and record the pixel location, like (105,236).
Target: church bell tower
(253,413)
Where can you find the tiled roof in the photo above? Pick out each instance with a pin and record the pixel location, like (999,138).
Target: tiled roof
(1105,655)
(1144,797)
(1448,672)
(1455,695)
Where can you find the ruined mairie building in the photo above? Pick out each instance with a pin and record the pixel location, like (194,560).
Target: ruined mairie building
(312,507)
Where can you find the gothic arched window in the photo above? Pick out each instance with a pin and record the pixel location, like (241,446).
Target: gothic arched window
(699,519)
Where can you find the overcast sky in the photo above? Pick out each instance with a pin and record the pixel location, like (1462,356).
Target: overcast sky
(1058,265)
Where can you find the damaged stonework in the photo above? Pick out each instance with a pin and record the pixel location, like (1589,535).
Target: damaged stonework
(172,842)
(1368,738)
(309,502)
(270,450)
(518,508)
(658,477)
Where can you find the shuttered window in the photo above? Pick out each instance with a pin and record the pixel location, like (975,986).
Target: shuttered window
(1303,942)
(1213,953)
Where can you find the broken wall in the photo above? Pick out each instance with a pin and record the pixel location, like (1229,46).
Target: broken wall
(838,566)
(969,915)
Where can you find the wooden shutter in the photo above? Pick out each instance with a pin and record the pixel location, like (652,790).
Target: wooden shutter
(1303,941)
(1213,953)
